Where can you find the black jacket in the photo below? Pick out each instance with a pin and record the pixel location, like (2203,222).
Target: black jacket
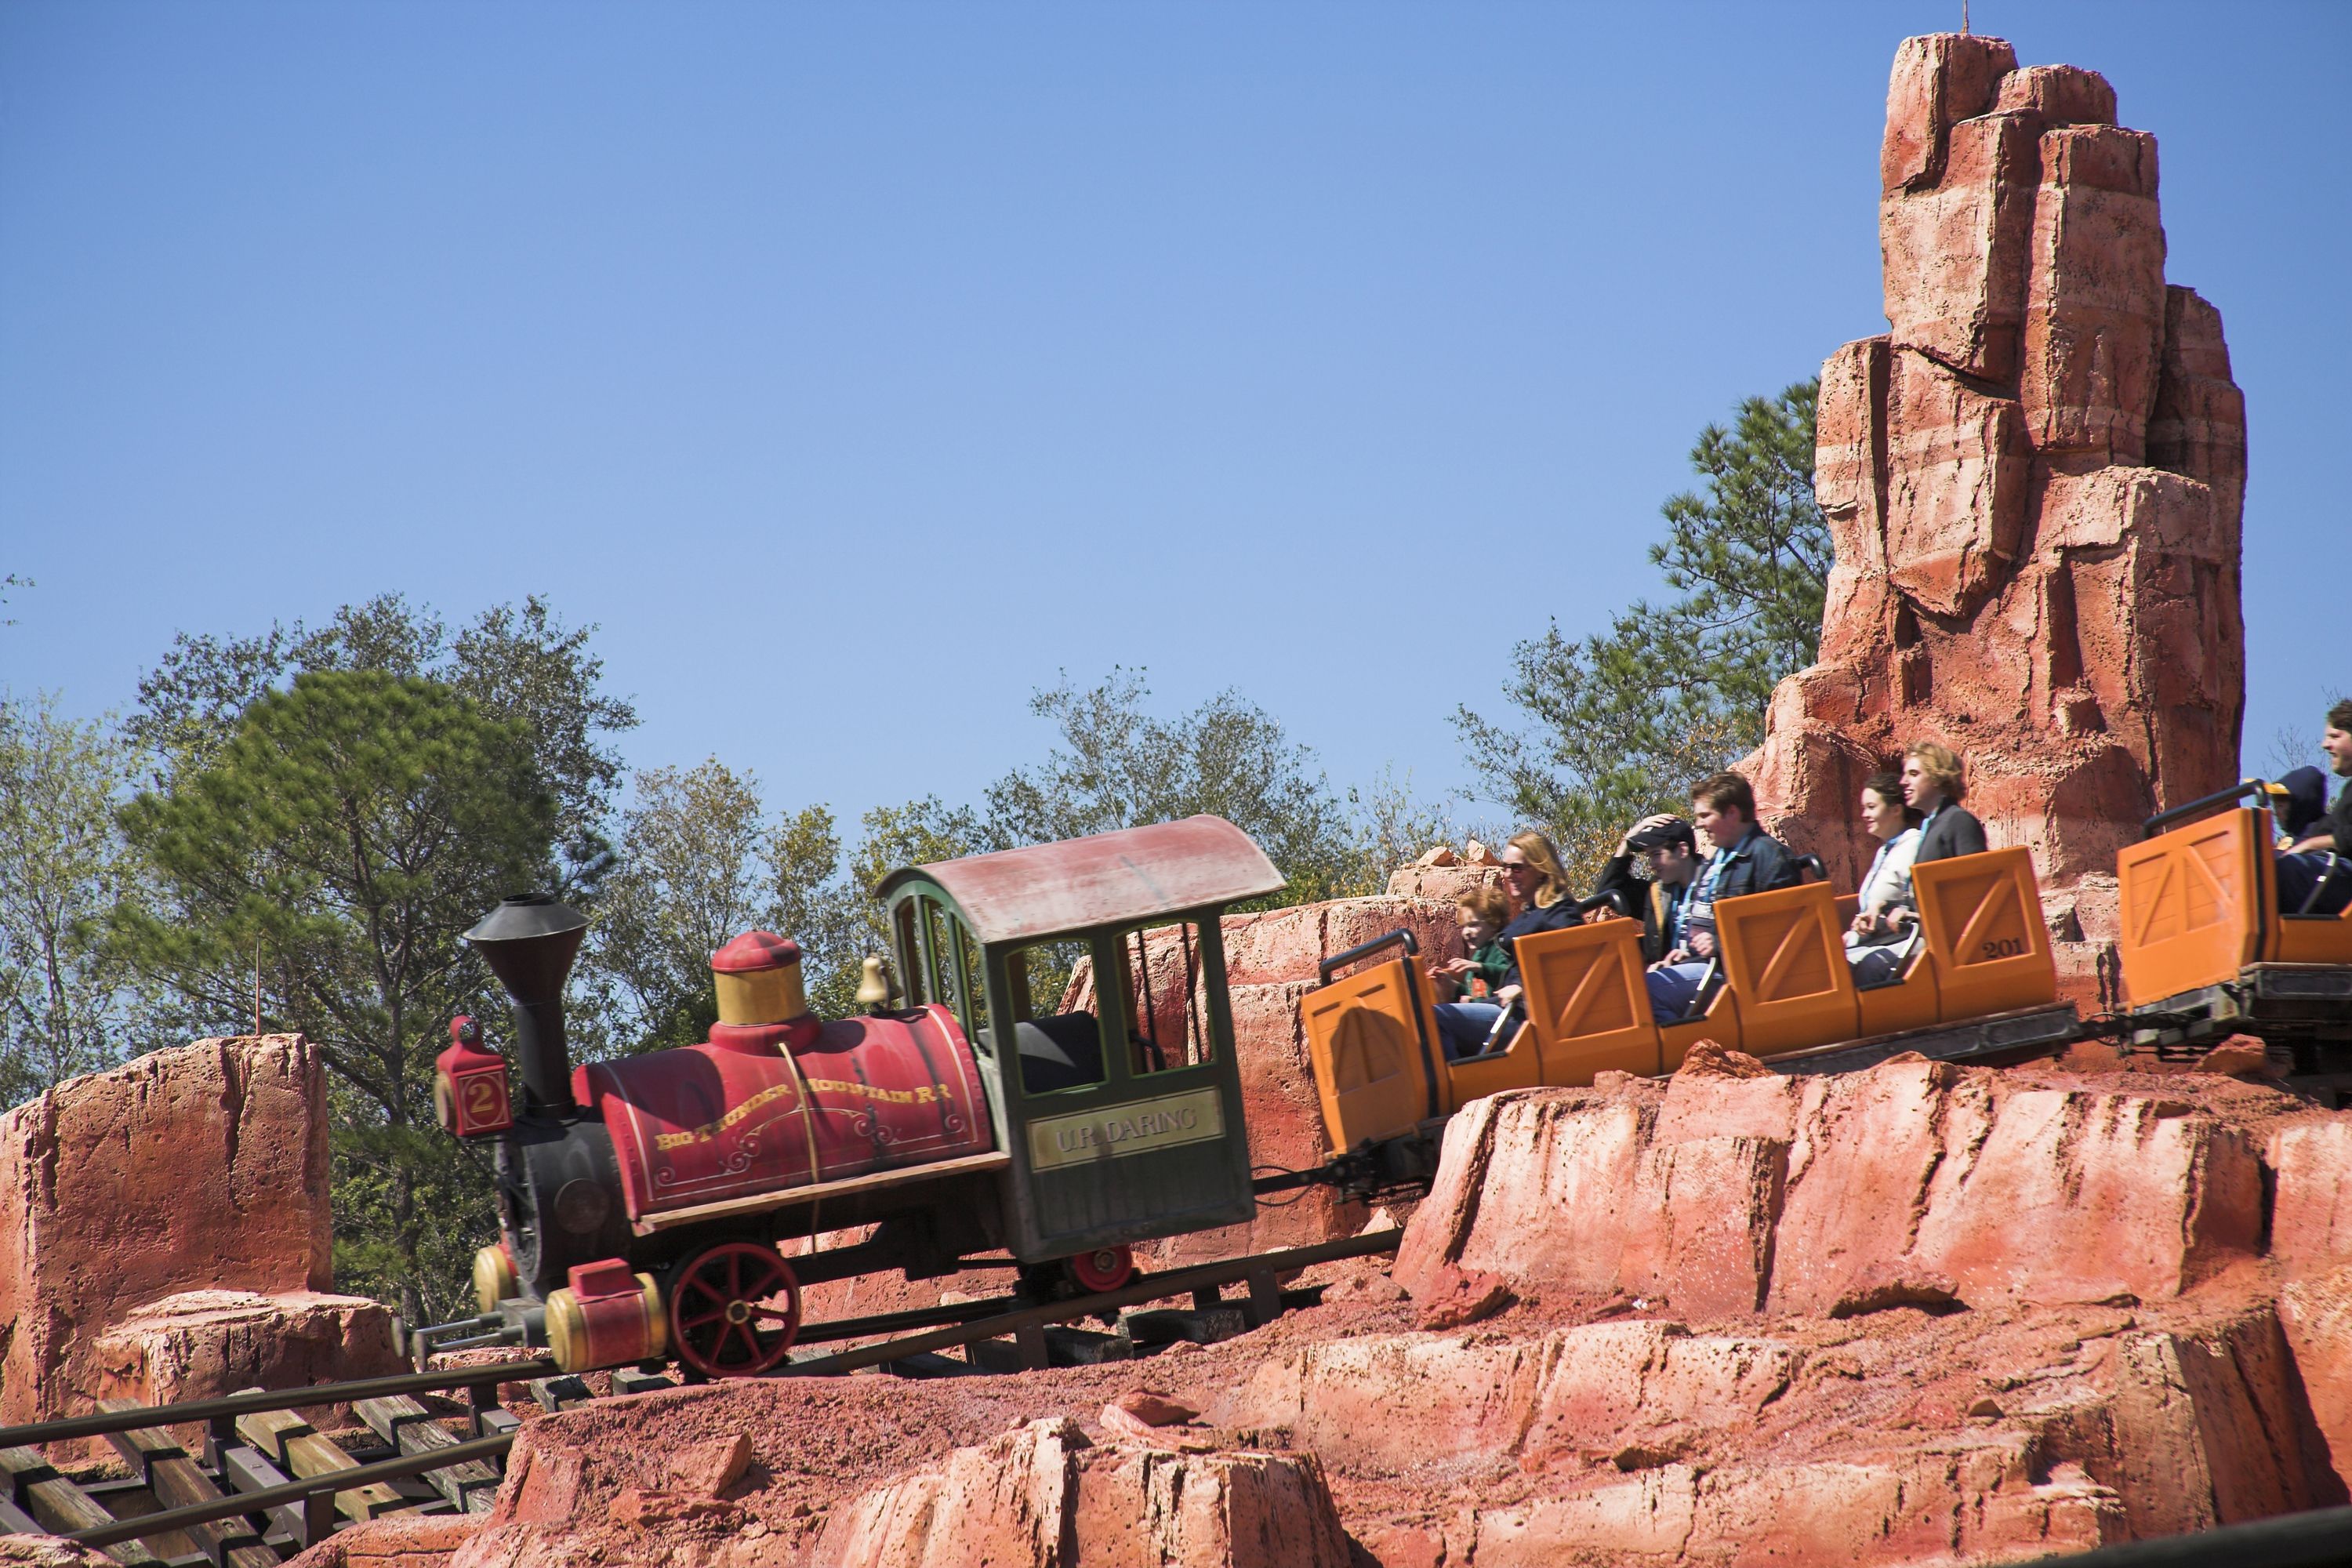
(1646,896)
(2339,817)
(1953,832)
(1536,917)
(1759,864)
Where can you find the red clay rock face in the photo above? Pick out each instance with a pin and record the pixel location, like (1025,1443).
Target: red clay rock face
(2311,1221)
(1919,1314)
(2034,485)
(872,1473)
(200,1342)
(398,1541)
(1025,1498)
(1441,884)
(2316,1315)
(1910,1183)
(203,1163)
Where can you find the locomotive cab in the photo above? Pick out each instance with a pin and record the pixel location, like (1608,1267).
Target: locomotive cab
(1120,1105)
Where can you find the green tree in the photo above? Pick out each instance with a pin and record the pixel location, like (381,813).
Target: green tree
(516,662)
(1617,724)
(701,862)
(917,833)
(63,866)
(1118,766)
(327,854)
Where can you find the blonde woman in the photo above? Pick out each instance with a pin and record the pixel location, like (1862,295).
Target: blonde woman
(1932,786)
(1538,884)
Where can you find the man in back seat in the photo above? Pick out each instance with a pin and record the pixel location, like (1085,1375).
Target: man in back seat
(2315,871)
(1746,859)
(1673,851)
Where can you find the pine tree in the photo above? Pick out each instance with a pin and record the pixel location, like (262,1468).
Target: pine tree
(1618,724)
(325,858)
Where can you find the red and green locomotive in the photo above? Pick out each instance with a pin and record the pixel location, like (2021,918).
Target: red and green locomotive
(641,1200)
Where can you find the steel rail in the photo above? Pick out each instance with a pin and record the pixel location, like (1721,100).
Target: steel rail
(147,1525)
(233,1404)
(912,1318)
(2320,1538)
(1175,1282)
(1152,1287)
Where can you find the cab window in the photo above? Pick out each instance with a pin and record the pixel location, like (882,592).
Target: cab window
(951,966)
(1058,1050)
(1160,973)
(914,993)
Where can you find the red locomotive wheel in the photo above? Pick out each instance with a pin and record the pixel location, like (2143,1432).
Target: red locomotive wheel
(1104,1268)
(734,1311)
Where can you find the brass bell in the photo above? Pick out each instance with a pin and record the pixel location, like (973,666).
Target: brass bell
(874,988)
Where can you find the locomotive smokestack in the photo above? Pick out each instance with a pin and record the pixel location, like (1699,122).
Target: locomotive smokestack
(529,942)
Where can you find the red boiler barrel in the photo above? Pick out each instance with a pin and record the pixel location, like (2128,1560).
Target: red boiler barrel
(745,1114)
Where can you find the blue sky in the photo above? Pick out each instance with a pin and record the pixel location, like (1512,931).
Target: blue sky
(859,368)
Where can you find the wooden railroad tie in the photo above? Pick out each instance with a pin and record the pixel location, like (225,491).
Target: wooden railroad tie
(471,1486)
(40,1501)
(290,1443)
(172,1476)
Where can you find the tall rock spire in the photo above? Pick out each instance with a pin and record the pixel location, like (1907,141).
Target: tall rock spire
(2034,481)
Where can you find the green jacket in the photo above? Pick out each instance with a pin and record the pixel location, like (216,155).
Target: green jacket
(1494,967)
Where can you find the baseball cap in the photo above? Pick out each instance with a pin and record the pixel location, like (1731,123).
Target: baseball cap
(2300,799)
(1673,830)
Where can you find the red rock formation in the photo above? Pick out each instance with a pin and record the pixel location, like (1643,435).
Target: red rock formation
(870,1473)
(206,1165)
(2316,1314)
(1914,1315)
(198,1344)
(1913,1181)
(2033,483)
(396,1541)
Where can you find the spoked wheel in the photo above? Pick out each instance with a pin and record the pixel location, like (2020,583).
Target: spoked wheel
(1104,1268)
(734,1309)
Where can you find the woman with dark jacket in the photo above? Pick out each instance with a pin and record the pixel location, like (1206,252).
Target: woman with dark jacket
(1932,788)
(1538,889)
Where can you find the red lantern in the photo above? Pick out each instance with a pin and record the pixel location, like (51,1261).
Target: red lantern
(469,1088)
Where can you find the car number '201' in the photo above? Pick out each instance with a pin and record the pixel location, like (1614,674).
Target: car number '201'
(2005,947)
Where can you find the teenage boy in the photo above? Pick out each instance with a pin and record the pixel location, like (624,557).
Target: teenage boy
(2315,872)
(1746,859)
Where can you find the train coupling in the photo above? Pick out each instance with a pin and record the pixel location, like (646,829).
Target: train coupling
(517,1321)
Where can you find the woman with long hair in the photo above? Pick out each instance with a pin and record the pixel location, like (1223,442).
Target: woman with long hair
(1879,941)
(1932,786)
(1537,885)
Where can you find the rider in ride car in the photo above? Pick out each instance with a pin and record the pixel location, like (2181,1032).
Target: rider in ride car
(1673,851)
(1538,889)
(1932,786)
(2315,871)
(1747,859)
(1482,913)
(1878,941)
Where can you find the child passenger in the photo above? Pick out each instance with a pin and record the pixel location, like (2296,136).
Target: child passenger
(1482,912)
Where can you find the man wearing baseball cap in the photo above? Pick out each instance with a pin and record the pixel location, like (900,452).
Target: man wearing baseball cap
(1672,847)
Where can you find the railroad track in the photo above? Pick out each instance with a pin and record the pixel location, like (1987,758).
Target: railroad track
(262,1485)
